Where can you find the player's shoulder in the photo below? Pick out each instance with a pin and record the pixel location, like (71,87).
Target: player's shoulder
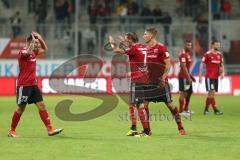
(209,52)
(22,50)
(182,53)
(140,45)
(160,45)
(219,53)
(159,48)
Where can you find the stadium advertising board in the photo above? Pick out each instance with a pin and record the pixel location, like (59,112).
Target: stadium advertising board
(111,79)
(9,68)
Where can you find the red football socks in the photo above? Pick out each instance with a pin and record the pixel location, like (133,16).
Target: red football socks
(143,117)
(148,115)
(177,117)
(147,110)
(213,102)
(15,119)
(133,116)
(208,102)
(45,118)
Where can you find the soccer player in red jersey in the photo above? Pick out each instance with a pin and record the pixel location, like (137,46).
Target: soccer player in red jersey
(137,54)
(158,68)
(185,79)
(213,60)
(27,89)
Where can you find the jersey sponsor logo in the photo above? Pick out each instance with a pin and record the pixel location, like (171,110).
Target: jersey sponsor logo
(152,56)
(215,61)
(142,49)
(33,60)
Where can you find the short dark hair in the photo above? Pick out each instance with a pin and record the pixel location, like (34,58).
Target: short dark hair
(152,30)
(214,41)
(132,36)
(29,38)
(188,41)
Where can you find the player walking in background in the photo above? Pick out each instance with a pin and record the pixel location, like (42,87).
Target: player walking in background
(213,60)
(137,54)
(185,79)
(27,89)
(158,67)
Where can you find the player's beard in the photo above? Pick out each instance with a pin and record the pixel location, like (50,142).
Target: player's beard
(148,41)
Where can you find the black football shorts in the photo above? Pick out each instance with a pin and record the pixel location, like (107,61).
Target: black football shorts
(184,86)
(28,95)
(211,84)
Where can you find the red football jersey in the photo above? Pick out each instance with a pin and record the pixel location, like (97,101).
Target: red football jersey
(184,57)
(137,54)
(27,68)
(213,61)
(157,54)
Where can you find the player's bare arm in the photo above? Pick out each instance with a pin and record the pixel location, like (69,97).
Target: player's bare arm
(43,44)
(222,71)
(30,47)
(183,64)
(167,68)
(165,73)
(201,72)
(44,47)
(41,40)
(115,49)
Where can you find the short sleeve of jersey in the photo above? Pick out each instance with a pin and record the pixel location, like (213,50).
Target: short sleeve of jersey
(204,58)
(22,52)
(164,52)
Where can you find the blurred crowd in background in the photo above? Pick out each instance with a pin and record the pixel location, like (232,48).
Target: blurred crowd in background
(99,14)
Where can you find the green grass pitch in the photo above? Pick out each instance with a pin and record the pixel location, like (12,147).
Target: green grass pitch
(208,137)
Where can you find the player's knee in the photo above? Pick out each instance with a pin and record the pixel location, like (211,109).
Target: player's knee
(181,97)
(141,105)
(20,109)
(211,94)
(41,106)
(146,104)
(170,105)
(189,94)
